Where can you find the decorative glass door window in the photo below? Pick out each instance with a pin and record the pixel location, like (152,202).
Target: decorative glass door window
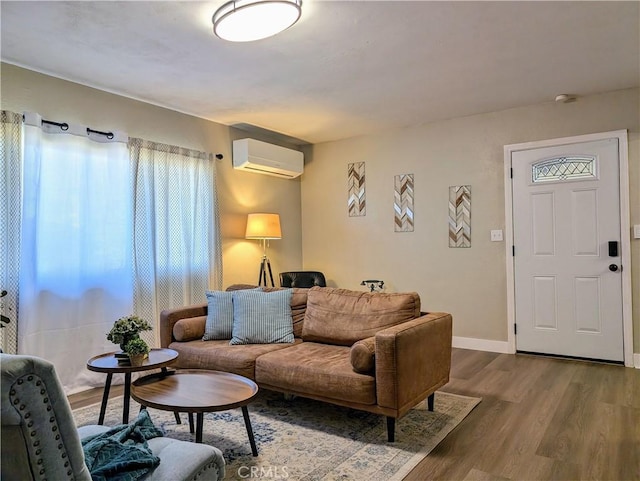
(564,168)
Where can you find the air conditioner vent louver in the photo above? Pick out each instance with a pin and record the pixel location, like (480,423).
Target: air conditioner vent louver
(262,158)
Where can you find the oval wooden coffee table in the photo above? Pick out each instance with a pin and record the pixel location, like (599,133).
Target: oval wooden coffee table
(197,391)
(108,363)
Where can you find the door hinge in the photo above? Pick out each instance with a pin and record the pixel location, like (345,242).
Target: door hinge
(515,329)
(511,172)
(513,251)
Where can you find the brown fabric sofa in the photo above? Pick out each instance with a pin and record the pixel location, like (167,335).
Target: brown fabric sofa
(375,352)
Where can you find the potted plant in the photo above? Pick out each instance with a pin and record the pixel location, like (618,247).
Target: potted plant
(126,329)
(137,350)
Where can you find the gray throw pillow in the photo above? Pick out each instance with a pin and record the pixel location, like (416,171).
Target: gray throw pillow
(219,323)
(262,317)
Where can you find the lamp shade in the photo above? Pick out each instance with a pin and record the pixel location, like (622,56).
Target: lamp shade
(248,20)
(263,226)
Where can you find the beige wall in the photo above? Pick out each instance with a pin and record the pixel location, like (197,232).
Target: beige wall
(239,192)
(470,283)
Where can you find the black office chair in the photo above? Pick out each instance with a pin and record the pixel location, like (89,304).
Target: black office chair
(302,279)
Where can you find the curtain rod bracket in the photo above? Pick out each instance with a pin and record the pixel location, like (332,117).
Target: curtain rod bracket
(65,126)
(108,135)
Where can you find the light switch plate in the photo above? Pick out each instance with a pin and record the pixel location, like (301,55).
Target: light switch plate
(636,231)
(496,236)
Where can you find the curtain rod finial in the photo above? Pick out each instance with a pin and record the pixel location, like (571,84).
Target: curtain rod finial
(219,156)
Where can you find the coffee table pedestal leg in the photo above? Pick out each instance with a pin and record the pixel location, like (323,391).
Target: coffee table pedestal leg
(199,423)
(247,423)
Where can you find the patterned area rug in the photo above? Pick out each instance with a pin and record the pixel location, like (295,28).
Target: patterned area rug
(302,439)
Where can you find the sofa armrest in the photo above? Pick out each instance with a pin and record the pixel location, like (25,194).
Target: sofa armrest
(169,317)
(413,360)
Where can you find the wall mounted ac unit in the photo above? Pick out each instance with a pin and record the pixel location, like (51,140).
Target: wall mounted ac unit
(253,155)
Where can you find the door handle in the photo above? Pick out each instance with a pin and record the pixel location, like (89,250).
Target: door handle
(613,267)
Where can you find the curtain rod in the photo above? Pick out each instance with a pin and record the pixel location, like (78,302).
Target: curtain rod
(109,135)
(65,126)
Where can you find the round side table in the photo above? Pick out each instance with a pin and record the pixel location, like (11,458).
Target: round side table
(108,363)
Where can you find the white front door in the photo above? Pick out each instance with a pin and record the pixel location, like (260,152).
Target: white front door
(566,229)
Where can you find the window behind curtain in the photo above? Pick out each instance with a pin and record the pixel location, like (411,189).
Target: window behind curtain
(75,265)
(74,223)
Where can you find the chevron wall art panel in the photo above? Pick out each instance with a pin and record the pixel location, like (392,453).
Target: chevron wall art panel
(403,203)
(460,216)
(357,202)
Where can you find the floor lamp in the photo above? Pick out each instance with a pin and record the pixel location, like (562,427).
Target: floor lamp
(264,227)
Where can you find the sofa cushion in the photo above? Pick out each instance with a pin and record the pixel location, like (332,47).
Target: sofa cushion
(363,355)
(262,317)
(298,306)
(317,370)
(239,287)
(219,355)
(189,329)
(341,316)
(219,315)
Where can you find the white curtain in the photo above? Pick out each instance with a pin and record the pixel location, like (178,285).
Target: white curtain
(76,256)
(10,188)
(177,252)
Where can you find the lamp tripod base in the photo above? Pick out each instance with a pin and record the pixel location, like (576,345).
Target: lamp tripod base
(262,277)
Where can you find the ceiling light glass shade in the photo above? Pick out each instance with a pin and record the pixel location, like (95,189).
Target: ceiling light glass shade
(248,20)
(263,226)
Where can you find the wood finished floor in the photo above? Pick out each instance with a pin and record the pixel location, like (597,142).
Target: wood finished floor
(539,419)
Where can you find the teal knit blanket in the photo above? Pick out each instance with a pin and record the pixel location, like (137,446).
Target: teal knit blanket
(122,453)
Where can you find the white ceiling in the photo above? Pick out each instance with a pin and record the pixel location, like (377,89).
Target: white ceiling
(345,69)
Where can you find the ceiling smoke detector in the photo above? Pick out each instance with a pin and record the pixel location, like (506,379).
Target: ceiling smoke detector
(565,98)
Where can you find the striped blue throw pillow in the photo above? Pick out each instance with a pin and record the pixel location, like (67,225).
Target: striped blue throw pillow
(262,317)
(219,324)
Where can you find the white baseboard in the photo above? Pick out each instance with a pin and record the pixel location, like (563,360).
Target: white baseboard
(502,347)
(481,344)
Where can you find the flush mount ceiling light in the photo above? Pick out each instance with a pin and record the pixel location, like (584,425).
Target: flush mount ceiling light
(248,20)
